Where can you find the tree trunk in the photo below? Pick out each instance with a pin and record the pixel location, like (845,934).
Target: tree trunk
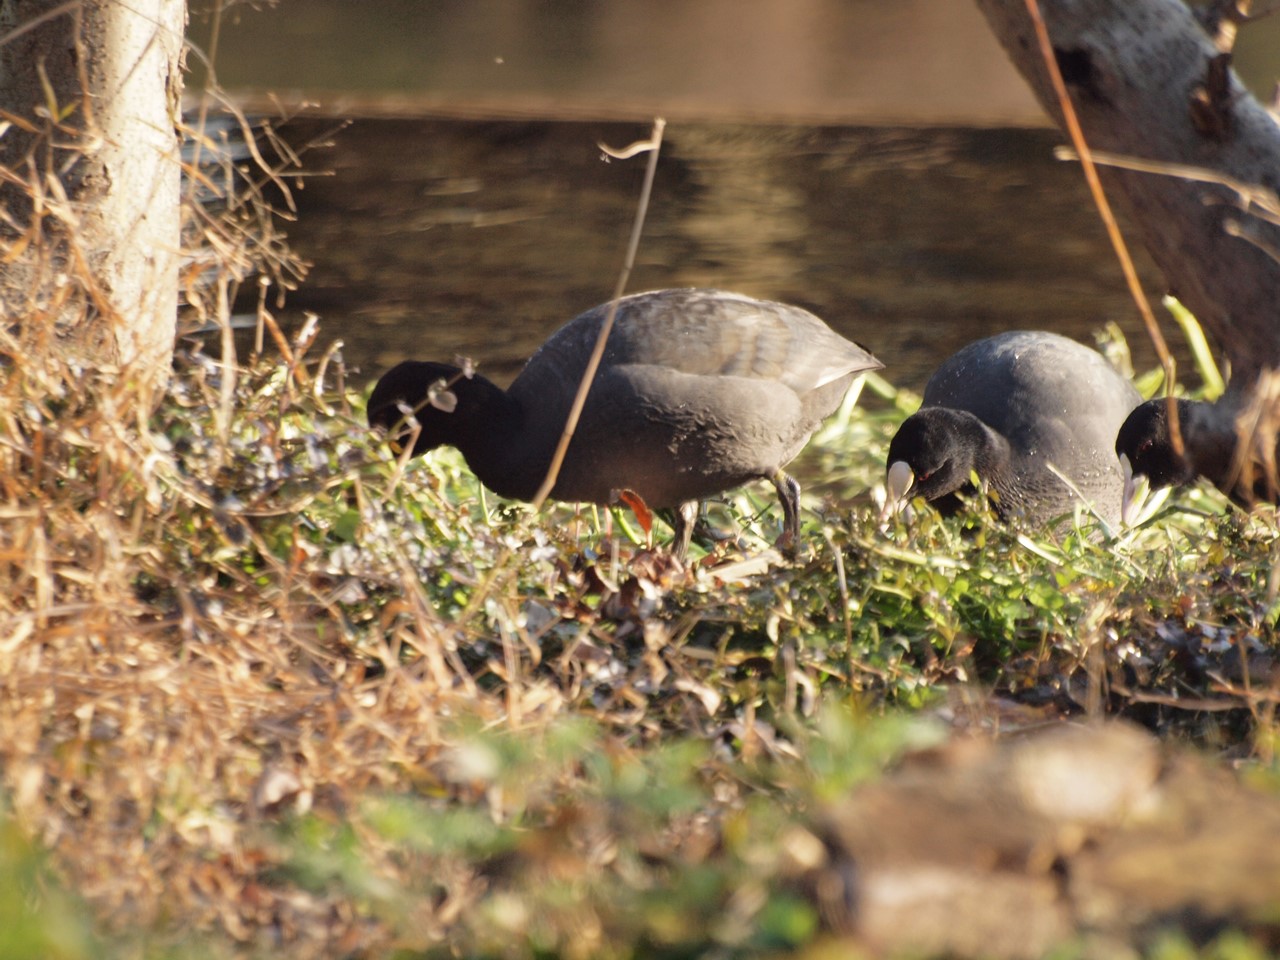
(1147,82)
(93,232)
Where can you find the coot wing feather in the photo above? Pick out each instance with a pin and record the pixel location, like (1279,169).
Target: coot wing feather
(707,333)
(1050,396)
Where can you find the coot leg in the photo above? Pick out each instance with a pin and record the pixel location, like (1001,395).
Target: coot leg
(686,517)
(789,494)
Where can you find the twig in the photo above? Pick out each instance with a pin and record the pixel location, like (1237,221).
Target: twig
(1222,19)
(653,145)
(1251,195)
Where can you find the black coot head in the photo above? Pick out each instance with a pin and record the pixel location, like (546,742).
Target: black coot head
(415,390)
(1144,440)
(939,447)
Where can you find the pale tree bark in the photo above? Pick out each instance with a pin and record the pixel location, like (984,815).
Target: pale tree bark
(1147,82)
(90,201)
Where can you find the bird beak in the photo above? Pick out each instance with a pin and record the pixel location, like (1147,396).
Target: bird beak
(897,485)
(1136,490)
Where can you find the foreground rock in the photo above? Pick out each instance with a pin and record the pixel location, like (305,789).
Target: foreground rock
(1005,849)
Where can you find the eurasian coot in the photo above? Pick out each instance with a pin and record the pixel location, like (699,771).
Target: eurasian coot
(1005,408)
(699,391)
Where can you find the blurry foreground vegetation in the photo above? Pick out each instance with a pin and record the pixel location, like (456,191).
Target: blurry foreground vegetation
(266,690)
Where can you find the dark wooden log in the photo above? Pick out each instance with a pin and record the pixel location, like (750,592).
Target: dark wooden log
(1148,82)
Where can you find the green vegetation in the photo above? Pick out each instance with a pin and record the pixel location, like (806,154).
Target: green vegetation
(269,690)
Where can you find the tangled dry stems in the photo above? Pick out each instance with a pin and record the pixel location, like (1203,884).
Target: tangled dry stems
(150,679)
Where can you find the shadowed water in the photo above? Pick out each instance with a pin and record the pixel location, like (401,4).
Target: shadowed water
(437,238)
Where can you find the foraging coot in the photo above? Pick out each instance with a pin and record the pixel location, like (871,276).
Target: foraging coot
(698,392)
(1006,408)
(1145,448)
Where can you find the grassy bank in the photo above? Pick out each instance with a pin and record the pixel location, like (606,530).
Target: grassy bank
(268,689)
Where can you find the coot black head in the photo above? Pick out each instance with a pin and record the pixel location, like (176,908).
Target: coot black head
(438,401)
(935,453)
(1144,443)
(699,391)
(1145,447)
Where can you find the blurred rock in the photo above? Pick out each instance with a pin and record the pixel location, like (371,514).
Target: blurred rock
(1002,849)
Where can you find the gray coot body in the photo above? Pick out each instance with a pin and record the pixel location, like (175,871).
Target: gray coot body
(698,392)
(1145,448)
(1007,407)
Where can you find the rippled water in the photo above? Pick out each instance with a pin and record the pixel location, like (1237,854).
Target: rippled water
(437,238)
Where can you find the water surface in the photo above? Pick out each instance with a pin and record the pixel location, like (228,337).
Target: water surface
(433,238)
